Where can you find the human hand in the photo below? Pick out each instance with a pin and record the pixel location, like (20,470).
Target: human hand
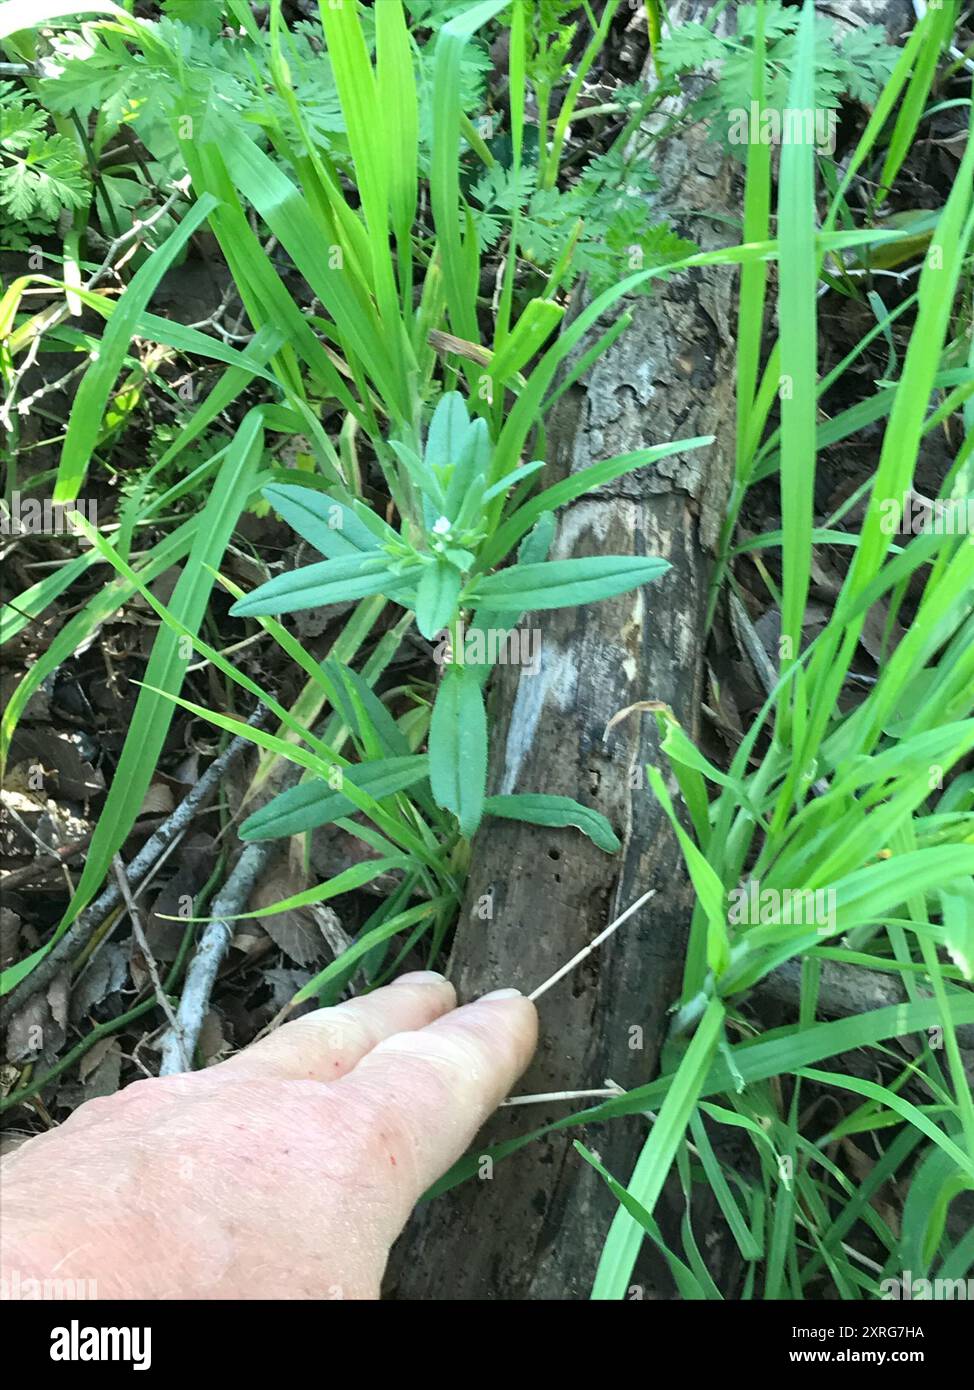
(286,1171)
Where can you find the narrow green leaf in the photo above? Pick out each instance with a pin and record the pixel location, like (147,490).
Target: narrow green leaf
(461,289)
(88,410)
(333,581)
(396,81)
(958,913)
(458,747)
(447,432)
(465,491)
(437,595)
(367,138)
(368,942)
(504,485)
(904,1108)
(538,321)
(153,712)
(710,894)
(315,803)
(683,1276)
(584,481)
(565,583)
(625,1234)
(538,809)
(323,521)
(77,630)
(363,705)
(776,1054)
(798,278)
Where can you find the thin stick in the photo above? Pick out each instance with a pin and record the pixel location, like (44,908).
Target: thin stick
(592,946)
(180,1041)
(37,870)
(118,865)
(597,1094)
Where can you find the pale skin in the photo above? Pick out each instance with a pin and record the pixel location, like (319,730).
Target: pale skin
(286,1171)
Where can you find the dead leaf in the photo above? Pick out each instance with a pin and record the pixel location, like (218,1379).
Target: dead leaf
(251,939)
(37,1031)
(64,760)
(175,899)
(874,631)
(158,800)
(9,936)
(107,973)
(640,707)
(334,849)
(212,1042)
(101,1068)
(284,984)
(296,935)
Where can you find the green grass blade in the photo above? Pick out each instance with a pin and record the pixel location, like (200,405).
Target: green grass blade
(166,667)
(88,410)
(654,1163)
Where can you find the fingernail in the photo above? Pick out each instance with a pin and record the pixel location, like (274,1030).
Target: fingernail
(502,994)
(420,977)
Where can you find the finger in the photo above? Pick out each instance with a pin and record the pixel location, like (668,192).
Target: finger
(418,1099)
(324,1045)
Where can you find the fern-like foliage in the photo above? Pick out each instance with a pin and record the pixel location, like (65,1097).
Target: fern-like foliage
(41,174)
(609,209)
(854,65)
(198,67)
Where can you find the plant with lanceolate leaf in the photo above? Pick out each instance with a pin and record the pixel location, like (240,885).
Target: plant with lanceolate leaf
(461,523)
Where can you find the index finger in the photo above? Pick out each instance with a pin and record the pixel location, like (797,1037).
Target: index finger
(422,1096)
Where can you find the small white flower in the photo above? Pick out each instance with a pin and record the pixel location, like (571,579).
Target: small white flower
(441,526)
